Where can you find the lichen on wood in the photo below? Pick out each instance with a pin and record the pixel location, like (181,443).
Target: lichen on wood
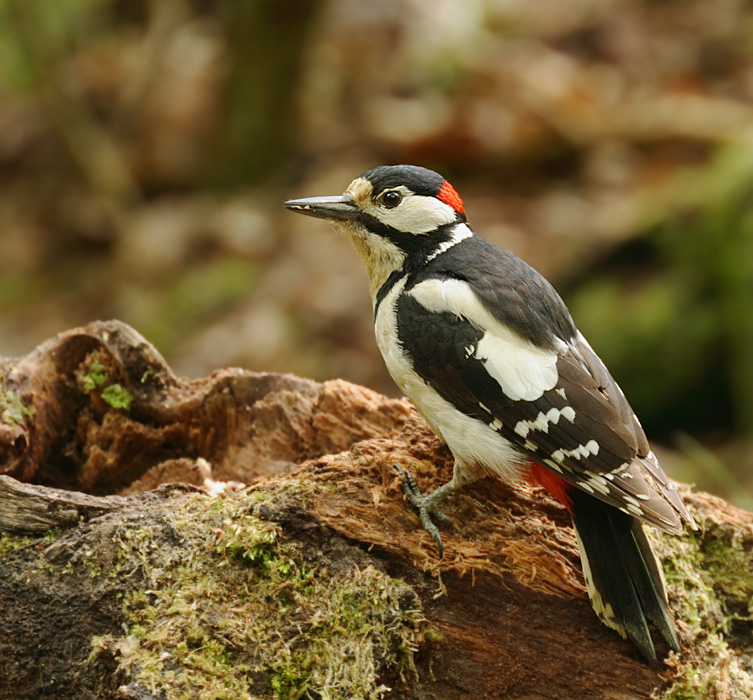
(236,609)
(710,576)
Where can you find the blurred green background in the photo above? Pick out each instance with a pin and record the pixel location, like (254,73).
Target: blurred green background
(146,147)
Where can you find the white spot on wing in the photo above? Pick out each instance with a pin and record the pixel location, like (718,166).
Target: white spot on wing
(553,465)
(598,482)
(542,421)
(581,451)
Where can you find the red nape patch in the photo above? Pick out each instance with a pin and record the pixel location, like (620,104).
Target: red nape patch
(448,195)
(556,485)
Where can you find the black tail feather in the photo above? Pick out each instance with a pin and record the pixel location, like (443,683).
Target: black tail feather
(623,578)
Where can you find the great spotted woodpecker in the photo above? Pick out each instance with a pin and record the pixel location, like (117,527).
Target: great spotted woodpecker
(487,351)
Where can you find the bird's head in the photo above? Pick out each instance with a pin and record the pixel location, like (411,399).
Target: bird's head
(396,215)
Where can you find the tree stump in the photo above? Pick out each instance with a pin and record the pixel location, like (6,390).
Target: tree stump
(245,536)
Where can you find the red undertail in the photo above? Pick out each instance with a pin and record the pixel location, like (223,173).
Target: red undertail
(556,485)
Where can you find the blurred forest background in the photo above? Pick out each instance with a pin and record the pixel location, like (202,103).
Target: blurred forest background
(146,148)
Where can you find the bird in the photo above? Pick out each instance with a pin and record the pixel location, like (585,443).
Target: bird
(490,356)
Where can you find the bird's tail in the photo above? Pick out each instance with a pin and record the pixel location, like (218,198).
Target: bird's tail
(622,574)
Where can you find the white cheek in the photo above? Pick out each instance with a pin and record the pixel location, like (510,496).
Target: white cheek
(415,214)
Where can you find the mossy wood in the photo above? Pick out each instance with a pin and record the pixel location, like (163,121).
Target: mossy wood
(313,581)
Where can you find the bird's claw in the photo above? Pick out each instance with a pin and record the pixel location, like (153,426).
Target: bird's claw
(425,506)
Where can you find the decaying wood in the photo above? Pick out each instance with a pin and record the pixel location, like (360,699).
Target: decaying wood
(506,615)
(35,509)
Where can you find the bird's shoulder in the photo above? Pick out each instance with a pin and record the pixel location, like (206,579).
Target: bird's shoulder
(508,288)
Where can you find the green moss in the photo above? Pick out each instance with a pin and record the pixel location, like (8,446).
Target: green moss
(94,378)
(92,565)
(709,577)
(51,535)
(434,636)
(11,543)
(12,409)
(729,565)
(117,397)
(235,611)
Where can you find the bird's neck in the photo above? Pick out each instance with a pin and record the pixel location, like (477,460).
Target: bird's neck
(384,257)
(380,256)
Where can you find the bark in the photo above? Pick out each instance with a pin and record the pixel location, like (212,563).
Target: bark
(315,579)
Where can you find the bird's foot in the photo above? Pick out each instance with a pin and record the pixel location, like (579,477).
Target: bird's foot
(426,506)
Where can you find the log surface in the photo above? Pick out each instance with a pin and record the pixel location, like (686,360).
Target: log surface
(505,614)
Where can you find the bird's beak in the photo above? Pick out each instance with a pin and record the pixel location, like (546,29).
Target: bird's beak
(340,208)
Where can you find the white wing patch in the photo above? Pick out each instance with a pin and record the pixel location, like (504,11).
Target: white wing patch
(523,371)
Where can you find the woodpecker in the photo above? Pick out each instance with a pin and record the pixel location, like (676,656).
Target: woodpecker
(488,352)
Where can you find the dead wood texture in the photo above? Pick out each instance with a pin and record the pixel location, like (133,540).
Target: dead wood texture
(94,425)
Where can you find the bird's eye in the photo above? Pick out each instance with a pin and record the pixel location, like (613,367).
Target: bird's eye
(391,199)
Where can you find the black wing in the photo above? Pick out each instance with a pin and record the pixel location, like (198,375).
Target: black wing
(582,427)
